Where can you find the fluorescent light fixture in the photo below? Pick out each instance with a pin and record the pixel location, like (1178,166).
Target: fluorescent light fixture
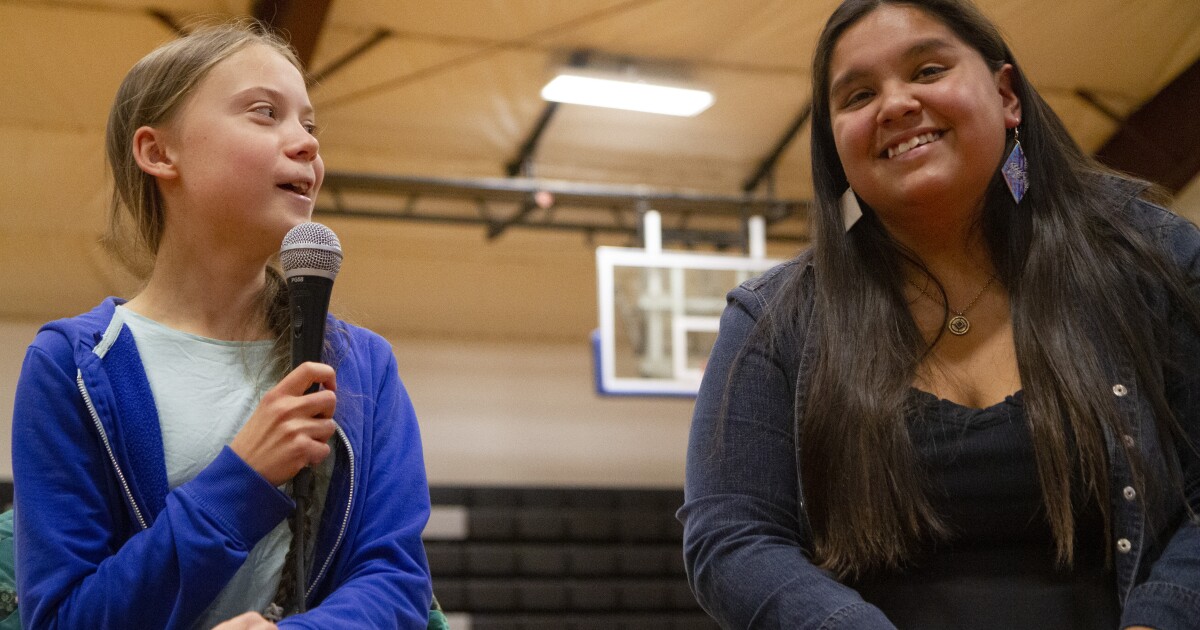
(582,87)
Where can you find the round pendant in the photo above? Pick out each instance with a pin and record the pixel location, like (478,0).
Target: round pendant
(958,325)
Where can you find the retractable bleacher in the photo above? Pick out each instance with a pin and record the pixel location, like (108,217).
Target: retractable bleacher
(560,558)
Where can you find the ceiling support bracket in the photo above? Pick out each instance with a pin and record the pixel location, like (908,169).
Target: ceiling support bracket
(500,204)
(1158,141)
(354,53)
(767,166)
(522,164)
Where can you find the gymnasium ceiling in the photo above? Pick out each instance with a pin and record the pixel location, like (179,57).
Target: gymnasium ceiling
(449,89)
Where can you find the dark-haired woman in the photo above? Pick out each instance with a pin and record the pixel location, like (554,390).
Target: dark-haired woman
(975,401)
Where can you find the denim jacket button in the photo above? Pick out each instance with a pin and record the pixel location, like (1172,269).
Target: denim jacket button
(1123,545)
(1129,493)
(1128,440)
(1120,390)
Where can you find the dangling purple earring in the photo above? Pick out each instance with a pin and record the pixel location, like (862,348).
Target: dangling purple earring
(1016,171)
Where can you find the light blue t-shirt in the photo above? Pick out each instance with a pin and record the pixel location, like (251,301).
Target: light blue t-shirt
(205,390)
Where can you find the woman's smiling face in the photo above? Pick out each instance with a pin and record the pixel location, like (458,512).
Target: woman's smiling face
(917,115)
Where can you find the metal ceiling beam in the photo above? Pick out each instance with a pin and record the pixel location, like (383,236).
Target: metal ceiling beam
(566,193)
(167,20)
(1161,140)
(301,20)
(499,204)
(497,228)
(689,237)
(1098,104)
(767,166)
(354,53)
(521,164)
(484,51)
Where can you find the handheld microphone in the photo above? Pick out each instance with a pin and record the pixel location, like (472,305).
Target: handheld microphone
(311,256)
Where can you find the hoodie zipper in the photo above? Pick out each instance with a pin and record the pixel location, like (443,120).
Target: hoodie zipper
(87,400)
(345,517)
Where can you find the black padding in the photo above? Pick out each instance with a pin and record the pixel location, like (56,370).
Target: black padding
(565,558)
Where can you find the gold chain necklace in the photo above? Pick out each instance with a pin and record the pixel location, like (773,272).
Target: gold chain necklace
(959,324)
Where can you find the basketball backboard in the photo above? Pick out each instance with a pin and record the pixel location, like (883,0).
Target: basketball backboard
(659,313)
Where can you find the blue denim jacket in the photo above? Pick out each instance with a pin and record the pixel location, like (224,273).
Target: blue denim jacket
(746,536)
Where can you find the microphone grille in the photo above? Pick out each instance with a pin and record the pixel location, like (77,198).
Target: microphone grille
(311,246)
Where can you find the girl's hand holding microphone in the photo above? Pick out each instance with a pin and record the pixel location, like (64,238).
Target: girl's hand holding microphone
(290,429)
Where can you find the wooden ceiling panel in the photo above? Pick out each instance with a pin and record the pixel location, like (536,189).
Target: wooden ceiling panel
(53,179)
(452,92)
(474,111)
(763,35)
(1113,46)
(472,19)
(1089,127)
(63,65)
(399,64)
(190,7)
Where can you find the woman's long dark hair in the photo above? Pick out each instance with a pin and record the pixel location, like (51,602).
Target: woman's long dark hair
(1077,274)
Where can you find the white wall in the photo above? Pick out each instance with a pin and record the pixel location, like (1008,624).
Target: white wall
(496,413)
(14,337)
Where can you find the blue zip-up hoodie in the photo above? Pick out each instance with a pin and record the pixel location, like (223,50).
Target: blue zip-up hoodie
(102,543)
